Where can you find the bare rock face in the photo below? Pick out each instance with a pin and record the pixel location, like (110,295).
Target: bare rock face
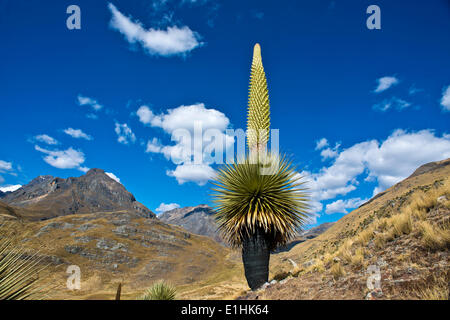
(48,197)
(198,220)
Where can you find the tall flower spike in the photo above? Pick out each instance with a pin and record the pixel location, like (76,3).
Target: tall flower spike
(258,116)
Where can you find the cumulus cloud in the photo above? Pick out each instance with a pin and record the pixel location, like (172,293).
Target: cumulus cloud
(63,159)
(386,162)
(181,124)
(124,133)
(385,83)
(113,176)
(322,143)
(77,133)
(46,139)
(5,166)
(341,206)
(163,207)
(10,188)
(198,173)
(86,101)
(445,100)
(172,41)
(393,102)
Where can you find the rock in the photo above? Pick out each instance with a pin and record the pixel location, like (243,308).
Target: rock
(381,263)
(125,231)
(442,199)
(309,263)
(374,294)
(84,239)
(273,282)
(73,249)
(336,259)
(87,226)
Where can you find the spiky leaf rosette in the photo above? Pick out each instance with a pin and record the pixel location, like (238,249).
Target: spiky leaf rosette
(258,115)
(246,198)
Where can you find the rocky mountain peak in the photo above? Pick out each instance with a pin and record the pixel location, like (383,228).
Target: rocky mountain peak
(94,191)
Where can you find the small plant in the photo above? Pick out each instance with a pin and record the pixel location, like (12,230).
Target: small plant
(337,270)
(160,291)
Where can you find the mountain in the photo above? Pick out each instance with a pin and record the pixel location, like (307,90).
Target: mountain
(198,220)
(316,231)
(94,223)
(47,197)
(403,233)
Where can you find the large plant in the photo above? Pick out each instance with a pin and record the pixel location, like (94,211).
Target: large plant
(259,210)
(19,270)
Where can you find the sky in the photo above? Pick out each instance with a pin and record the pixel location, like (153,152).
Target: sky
(357,109)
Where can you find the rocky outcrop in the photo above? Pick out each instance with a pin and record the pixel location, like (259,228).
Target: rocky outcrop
(48,197)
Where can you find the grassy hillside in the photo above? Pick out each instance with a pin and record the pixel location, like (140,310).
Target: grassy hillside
(113,247)
(404,231)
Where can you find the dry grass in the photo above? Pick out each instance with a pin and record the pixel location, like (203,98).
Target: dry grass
(434,237)
(337,270)
(438,290)
(401,224)
(358,257)
(345,252)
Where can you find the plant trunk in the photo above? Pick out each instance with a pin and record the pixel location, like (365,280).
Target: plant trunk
(255,256)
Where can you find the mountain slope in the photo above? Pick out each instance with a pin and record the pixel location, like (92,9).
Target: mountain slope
(48,197)
(198,220)
(404,232)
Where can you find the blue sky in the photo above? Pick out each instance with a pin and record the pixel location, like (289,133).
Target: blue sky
(358,109)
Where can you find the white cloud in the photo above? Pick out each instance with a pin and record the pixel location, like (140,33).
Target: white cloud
(392,102)
(198,173)
(63,159)
(124,134)
(183,151)
(341,206)
(172,41)
(330,153)
(387,163)
(184,117)
(322,143)
(385,83)
(86,101)
(46,139)
(112,176)
(77,133)
(163,207)
(153,146)
(445,100)
(5,166)
(83,169)
(10,188)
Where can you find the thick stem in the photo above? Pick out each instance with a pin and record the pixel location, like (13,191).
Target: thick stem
(255,256)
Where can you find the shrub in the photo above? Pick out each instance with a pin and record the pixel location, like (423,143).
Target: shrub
(337,270)
(160,291)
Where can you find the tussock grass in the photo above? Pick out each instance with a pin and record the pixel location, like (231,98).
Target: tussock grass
(434,237)
(401,224)
(358,257)
(337,270)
